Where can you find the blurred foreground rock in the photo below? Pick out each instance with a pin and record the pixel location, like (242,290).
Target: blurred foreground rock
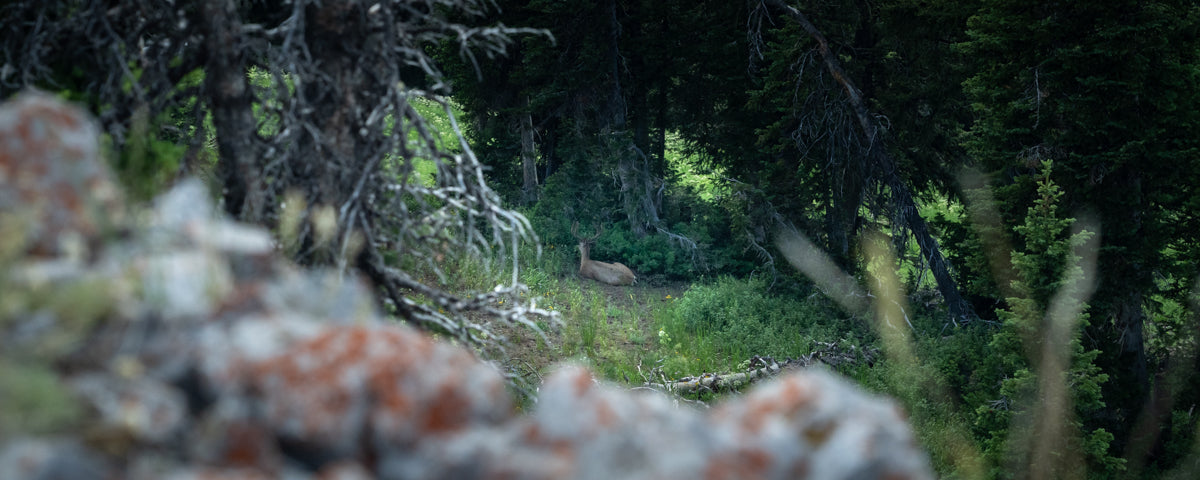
(176,344)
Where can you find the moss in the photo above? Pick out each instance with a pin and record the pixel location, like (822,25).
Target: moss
(34,400)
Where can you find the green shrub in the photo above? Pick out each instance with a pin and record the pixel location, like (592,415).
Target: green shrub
(732,319)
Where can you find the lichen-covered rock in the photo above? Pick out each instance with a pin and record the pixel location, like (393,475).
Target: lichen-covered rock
(810,424)
(145,409)
(52,176)
(197,353)
(354,388)
(52,459)
(816,425)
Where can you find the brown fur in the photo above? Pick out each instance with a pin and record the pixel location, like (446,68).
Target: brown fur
(608,273)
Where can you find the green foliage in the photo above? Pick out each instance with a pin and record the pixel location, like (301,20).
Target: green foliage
(571,194)
(1182,433)
(652,254)
(937,421)
(33,400)
(1104,88)
(1009,390)
(150,157)
(956,354)
(147,163)
(722,324)
(965,241)
(712,212)
(267,114)
(1047,254)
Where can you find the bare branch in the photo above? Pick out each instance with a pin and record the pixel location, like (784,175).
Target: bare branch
(320,98)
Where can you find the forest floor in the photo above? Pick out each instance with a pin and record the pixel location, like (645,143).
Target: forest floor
(609,328)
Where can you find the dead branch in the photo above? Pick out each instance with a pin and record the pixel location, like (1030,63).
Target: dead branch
(340,88)
(825,353)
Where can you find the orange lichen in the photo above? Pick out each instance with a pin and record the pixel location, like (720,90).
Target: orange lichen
(447,413)
(605,415)
(739,464)
(246,445)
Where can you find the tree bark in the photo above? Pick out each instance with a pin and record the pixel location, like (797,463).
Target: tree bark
(529,192)
(1130,319)
(723,382)
(884,165)
(230,100)
(636,185)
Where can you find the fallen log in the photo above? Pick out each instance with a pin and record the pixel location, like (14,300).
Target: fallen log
(827,353)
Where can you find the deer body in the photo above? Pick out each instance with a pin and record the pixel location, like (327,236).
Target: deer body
(603,272)
(610,273)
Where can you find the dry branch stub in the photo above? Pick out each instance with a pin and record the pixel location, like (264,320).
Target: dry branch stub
(206,355)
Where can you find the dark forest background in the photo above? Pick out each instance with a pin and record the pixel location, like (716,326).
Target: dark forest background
(1014,156)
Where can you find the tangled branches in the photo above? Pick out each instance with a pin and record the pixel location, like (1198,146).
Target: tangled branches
(319,103)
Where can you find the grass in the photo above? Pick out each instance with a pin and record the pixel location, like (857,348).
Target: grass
(633,335)
(612,330)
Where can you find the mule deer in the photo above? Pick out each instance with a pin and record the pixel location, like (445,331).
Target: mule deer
(610,273)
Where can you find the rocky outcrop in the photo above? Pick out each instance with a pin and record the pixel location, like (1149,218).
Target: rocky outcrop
(174,343)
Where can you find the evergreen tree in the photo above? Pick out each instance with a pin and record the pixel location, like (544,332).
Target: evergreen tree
(598,92)
(1015,412)
(1107,89)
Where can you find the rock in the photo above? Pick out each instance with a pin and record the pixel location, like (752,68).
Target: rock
(53,182)
(52,459)
(142,408)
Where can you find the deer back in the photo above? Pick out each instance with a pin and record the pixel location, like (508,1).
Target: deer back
(603,272)
(609,273)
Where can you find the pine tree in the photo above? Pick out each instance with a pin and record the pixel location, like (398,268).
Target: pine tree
(1018,421)
(1106,89)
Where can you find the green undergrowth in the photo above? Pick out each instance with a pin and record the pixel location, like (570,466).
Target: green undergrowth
(715,327)
(654,332)
(941,373)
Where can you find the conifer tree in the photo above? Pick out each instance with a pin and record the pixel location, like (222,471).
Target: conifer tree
(1028,425)
(1106,89)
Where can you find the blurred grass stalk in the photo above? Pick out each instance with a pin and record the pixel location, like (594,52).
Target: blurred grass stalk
(889,313)
(1048,412)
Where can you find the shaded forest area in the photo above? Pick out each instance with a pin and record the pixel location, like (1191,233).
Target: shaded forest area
(1036,160)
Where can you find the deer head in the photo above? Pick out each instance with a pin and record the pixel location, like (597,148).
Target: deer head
(610,273)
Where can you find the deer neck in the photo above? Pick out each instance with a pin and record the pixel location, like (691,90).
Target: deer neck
(585,251)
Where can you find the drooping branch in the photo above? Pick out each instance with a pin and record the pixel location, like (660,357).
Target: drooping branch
(319,110)
(882,166)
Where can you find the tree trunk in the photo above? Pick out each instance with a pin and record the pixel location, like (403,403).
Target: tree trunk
(230,100)
(529,192)
(884,167)
(1118,309)
(332,159)
(1130,319)
(659,147)
(549,146)
(636,185)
